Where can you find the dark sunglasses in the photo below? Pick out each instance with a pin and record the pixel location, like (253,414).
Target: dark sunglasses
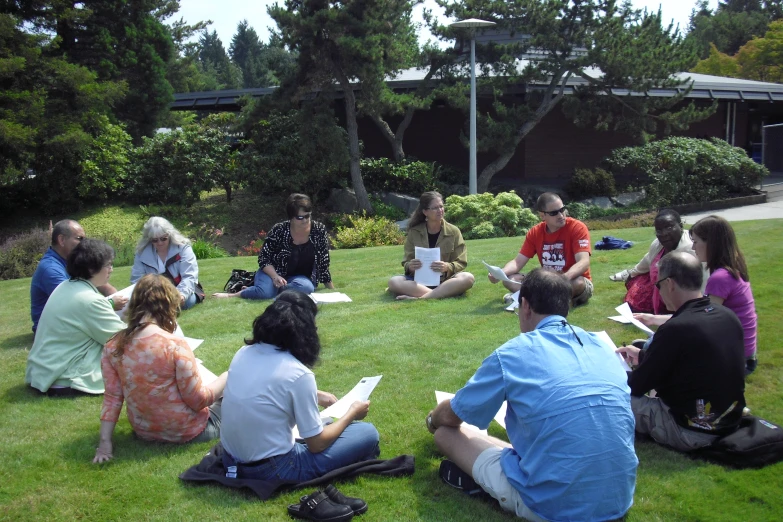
(302,218)
(162,239)
(553,213)
(658,283)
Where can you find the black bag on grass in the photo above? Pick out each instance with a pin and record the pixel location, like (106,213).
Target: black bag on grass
(239,278)
(755,444)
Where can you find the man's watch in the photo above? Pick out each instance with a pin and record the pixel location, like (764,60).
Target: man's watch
(429,423)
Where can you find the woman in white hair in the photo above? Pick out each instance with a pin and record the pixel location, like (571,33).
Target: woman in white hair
(164,250)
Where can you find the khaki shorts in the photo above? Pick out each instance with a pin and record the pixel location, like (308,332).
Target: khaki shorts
(585,295)
(488,472)
(654,418)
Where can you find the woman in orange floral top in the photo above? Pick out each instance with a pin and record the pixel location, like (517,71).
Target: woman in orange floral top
(156,374)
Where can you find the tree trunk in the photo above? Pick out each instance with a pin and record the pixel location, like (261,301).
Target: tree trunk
(353,142)
(396,144)
(547,104)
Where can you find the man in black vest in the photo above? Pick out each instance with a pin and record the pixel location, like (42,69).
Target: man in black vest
(695,362)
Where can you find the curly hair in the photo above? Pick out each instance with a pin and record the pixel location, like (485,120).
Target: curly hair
(425,201)
(155,299)
(88,258)
(157,226)
(289,325)
(722,248)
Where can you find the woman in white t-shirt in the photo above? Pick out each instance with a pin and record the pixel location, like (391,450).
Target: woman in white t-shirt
(271,389)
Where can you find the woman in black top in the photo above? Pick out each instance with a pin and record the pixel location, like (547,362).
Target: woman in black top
(295,255)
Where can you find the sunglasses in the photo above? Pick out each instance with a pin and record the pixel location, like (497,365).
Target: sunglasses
(161,239)
(553,213)
(658,283)
(302,218)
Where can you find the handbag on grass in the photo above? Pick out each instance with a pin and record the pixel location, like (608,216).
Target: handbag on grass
(755,444)
(239,279)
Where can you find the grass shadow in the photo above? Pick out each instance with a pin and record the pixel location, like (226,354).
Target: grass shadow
(17,342)
(24,393)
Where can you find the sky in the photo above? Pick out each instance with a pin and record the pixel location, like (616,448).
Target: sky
(226,14)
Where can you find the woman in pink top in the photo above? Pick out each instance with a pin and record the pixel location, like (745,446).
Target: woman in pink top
(156,374)
(715,244)
(728,284)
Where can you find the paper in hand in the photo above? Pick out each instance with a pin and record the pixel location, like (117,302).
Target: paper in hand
(426,275)
(626,312)
(360,392)
(498,273)
(126,293)
(610,344)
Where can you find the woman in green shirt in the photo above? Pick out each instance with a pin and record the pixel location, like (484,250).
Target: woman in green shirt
(75,324)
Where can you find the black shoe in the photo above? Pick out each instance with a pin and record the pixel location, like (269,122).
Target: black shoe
(317,506)
(452,475)
(358,505)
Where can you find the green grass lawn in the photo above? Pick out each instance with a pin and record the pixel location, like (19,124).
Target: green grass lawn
(420,346)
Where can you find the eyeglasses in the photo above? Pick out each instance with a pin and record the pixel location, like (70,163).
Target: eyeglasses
(109,266)
(441,207)
(78,238)
(553,213)
(161,239)
(658,283)
(302,218)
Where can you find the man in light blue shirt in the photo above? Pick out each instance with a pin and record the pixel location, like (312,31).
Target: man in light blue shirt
(568,417)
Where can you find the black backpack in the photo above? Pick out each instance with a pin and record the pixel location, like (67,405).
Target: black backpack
(239,279)
(755,444)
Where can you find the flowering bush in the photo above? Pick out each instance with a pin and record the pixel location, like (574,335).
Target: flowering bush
(254,248)
(205,244)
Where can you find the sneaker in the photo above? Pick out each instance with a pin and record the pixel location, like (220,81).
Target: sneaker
(358,505)
(508,298)
(452,475)
(620,276)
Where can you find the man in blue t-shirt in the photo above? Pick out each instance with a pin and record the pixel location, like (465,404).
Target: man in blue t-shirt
(568,417)
(50,272)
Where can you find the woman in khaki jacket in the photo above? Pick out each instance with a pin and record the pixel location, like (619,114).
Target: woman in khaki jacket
(428,229)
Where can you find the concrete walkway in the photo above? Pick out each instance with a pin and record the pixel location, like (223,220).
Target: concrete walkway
(772,209)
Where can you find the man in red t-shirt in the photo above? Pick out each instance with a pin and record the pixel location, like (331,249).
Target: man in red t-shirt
(561,243)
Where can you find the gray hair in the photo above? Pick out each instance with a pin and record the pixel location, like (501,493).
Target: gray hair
(63,228)
(157,226)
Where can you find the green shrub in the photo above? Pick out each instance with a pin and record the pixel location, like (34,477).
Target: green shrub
(366,231)
(19,255)
(207,250)
(586,183)
(689,170)
(410,177)
(481,216)
(582,211)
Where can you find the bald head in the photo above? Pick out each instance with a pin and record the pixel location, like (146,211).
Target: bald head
(66,234)
(682,268)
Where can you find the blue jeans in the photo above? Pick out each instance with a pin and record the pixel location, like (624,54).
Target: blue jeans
(358,442)
(264,288)
(190,302)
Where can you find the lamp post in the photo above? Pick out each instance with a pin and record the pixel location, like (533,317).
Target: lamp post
(472,24)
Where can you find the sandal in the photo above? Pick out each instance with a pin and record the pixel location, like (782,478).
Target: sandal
(621,276)
(452,475)
(318,506)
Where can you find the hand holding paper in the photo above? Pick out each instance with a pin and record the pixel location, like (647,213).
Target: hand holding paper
(610,344)
(498,273)
(360,392)
(426,275)
(625,311)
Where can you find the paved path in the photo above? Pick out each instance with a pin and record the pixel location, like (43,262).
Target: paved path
(772,209)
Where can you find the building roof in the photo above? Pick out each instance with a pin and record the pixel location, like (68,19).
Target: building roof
(704,87)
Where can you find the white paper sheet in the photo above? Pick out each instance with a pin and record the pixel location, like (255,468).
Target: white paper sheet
(513,306)
(626,312)
(193,343)
(360,392)
(206,375)
(498,273)
(445,396)
(610,344)
(330,297)
(125,292)
(620,319)
(425,275)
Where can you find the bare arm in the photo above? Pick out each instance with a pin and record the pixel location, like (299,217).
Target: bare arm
(714,299)
(326,438)
(651,320)
(443,415)
(512,267)
(103,453)
(580,267)
(218,385)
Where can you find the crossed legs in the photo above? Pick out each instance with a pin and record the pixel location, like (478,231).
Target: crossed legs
(456,285)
